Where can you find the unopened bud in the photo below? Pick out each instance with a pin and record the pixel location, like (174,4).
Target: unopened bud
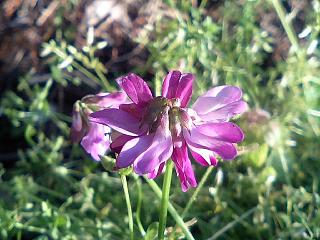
(79,126)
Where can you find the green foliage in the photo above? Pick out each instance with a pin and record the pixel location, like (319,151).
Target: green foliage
(68,57)
(152,231)
(271,191)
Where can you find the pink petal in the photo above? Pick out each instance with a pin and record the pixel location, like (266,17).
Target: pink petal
(106,100)
(177,85)
(132,149)
(226,91)
(119,120)
(149,151)
(158,152)
(184,168)
(226,112)
(224,131)
(157,171)
(119,142)
(133,109)
(170,84)
(184,90)
(194,138)
(217,98)
(136,88)
(203,156)
(96,142)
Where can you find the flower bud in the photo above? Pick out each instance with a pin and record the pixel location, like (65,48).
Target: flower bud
(79,124)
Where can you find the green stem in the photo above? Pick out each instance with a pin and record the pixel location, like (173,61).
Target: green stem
(139,203)
(286,24)
(196,192)
(231,224)
(127,197)
(165,199)
(171,210)
(91,76)
(30,228)
(104,81)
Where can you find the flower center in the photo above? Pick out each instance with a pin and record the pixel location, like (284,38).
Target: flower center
(157,108)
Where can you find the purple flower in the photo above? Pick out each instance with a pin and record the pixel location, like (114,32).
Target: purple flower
(94,137)
(154,129)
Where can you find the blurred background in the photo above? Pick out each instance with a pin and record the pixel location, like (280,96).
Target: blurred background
(53,53)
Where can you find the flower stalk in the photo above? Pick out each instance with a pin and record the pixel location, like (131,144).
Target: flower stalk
(165,200)
(138,211)
(175,215)
(196,192)
(127,197)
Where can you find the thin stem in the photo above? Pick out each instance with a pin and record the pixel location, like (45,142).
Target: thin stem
(127,197)
(165,199)
(139,203)
(287,177)
(91,76)
(196,192)
(286,24)
(153,185)
(104,81)
(86,72)
(30,228)
(231,224)
(284,165)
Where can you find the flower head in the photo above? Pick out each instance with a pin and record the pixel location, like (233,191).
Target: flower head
(94,137)
(155,129)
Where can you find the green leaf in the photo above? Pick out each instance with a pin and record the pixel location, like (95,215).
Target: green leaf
(152,231)
(259,156)
(29,133)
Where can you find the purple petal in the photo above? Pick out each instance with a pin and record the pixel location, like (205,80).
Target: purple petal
(96,142)
(119,142)
(217,98)
(226,112)
(136,88)
(170,84)
(106,100)
(184,90)
(184,168)
(133,109)
(225,131)
(203,156)
(177,85)
(157,171)
(194,138)
(158,152)
(224,91)
(148,151)
(119,120)
(132,149)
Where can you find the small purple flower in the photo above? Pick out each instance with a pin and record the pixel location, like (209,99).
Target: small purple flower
(94,137)
(154,129)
